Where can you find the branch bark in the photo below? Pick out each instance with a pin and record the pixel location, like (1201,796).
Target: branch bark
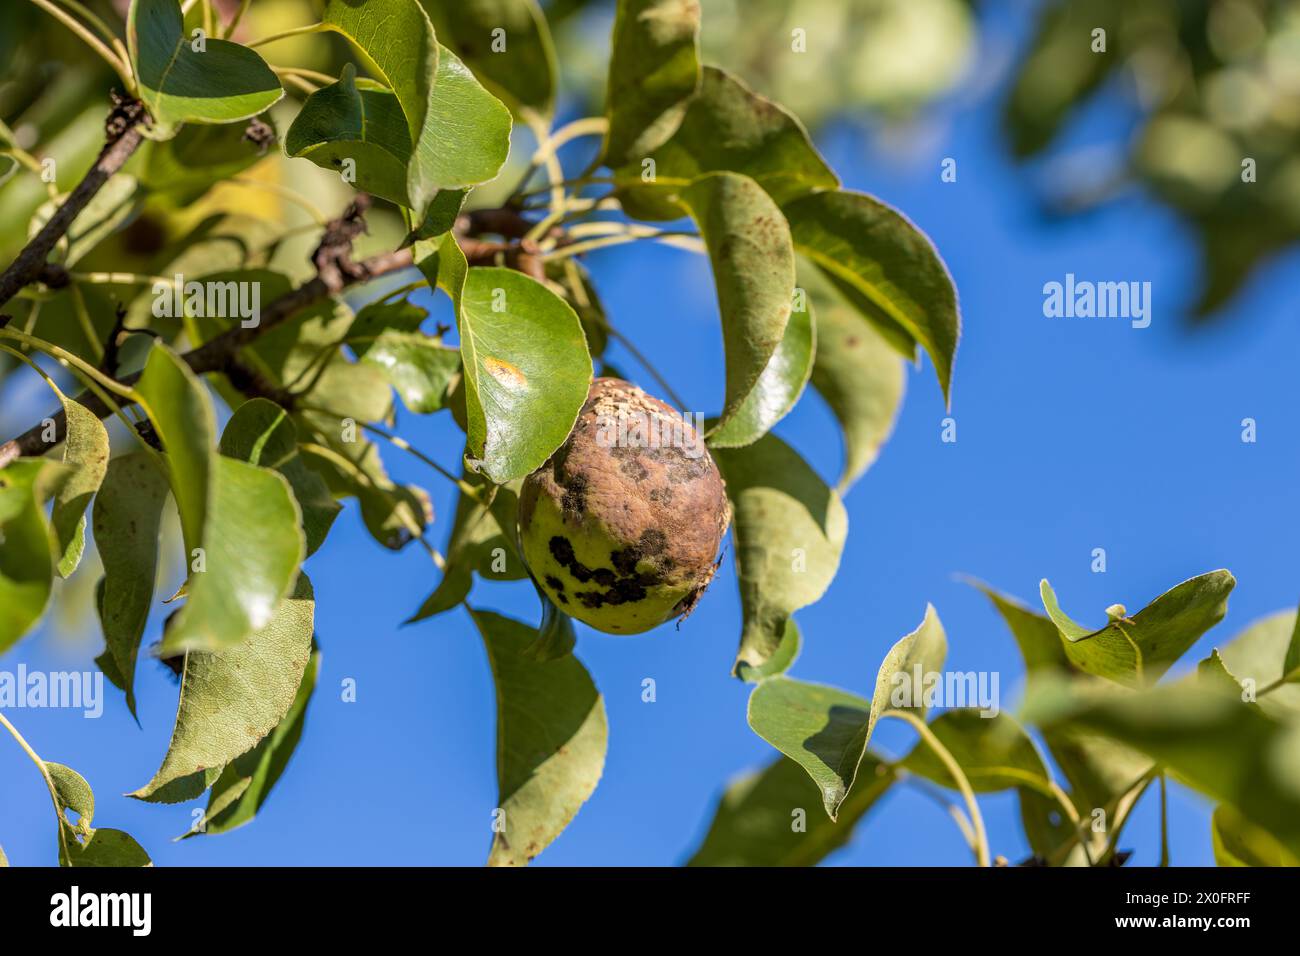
(336,270)
(122,138)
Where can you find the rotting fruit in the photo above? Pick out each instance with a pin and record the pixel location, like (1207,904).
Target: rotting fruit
(622,525)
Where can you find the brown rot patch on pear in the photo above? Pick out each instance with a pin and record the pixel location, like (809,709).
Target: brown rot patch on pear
(621,524)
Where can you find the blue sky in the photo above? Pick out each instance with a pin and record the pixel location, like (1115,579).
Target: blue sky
(1073,434)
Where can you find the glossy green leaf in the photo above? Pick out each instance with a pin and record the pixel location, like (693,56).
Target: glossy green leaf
(517,64)
(726,127)
(358,129)
(419,367)
(252,547)
(85,452)
(654,72)
(458,134)
(993,752)
(262,433)
(755,823)
(827,730)
(231,700)
(27,560)
(126,519)
(777,389)
(789,530)
(887,269)
(181,412)
(1233,752)
(753,270)
(1238,842)
(862,380)
(398,41)
(1261,654)
(551,741)
(223,83)
(526,368)
(1137,650)
(246,783)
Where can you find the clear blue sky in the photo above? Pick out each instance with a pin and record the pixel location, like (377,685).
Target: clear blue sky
(1072,434)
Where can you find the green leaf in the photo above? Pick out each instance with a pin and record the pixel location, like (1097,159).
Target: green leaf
(1262,654)
(1136,651)
(523,74)
(262,433)
(753,270)
(827,730)
(994,752)
(126,519)
(1238,842)
(398,41)
(342,122)
(106,847)
(777,389)
(224,83)
(823,729)
(458,134)
(886,268)
(482,540)
(181,412)
(754,824)
(232,699)
(789,530)
(422,369)
(85,452)
(81,844)
(787,652)
(1232,752)
(551,740)
(246,783)
(862,380)
(241,522)
(27,559)
(526,368)
(727,127)
(1099,770)
(654,72)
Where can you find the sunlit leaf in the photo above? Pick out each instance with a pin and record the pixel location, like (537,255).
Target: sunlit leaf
(231,700)
(126,519)
(1137,650)
(551,740)
(994,753)
(1238,842)
(789,529)
(778,388)
(886,268)
(508,46)
(27,560)
(222,83)
(827,730)
(246,783)
(526,369)
(726,127)
(654,72)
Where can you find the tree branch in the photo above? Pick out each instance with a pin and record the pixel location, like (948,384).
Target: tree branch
(122,138)
(336,270)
